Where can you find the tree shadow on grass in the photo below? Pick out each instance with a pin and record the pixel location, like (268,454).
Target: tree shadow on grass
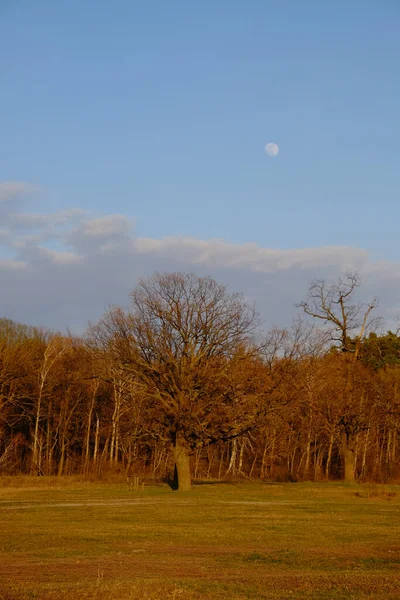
(232,482)
(172,480)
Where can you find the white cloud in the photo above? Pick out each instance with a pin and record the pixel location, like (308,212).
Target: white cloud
(107,226)
(38,220)
(60,258)
(98,261)
(5,236)
(12,189)
(12,265)
(28,240)
(218,253)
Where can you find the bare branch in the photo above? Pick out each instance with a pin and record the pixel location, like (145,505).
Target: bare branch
(335,306)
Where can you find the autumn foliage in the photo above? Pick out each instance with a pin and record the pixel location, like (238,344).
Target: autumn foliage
(186,380)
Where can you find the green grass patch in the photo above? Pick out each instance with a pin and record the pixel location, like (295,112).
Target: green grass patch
(236,541)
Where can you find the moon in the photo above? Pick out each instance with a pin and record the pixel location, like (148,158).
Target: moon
(272,149)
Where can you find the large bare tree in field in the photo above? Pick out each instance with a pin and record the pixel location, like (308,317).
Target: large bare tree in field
(185,342)
(348,322)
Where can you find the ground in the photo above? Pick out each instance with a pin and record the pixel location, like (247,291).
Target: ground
(225,541)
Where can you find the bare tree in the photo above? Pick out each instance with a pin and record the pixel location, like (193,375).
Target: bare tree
(55,348)
(334,304)
(347,323)
(176,343)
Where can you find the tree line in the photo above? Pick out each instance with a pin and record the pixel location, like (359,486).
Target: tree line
(186,384)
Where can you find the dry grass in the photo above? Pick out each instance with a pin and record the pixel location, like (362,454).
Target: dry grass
(300,541)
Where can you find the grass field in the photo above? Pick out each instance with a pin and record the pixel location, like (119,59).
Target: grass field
(230,541)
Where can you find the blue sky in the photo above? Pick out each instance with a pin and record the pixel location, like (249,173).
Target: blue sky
(160,111)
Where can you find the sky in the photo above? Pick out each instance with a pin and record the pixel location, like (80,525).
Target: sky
(132,139)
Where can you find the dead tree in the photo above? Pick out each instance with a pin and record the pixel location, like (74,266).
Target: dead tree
(347,323)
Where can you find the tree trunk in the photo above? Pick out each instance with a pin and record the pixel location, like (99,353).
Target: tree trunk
(49,442)
(114,445)
(62,458)
(253,464)
(241,453)
(182,466)
(196,464)
(263,461)
(364,458)
(272,455)
(101,460)
(221,461)
(232,462)
(158,456)
(95,387)
(96,443)
(319,456)
(394,446)
(348,459)
(210,461)
(329,458)
(35,467)
(306,471)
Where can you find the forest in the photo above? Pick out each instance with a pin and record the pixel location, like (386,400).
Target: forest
(187,385)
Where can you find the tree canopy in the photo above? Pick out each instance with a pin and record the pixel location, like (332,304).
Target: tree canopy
(187,376)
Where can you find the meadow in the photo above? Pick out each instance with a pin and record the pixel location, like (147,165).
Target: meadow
(231,541)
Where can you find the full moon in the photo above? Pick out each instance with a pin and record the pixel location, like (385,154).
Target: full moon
(272,149)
